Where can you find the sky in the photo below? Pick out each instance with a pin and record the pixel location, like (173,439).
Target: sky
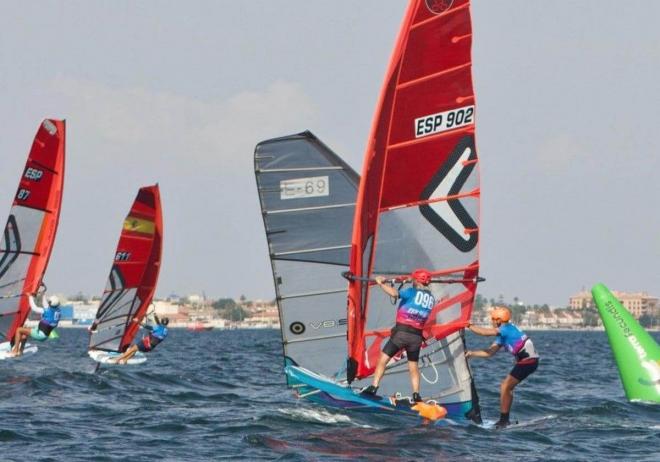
(179,93)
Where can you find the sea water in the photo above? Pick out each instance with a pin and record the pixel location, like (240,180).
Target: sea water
(220,395)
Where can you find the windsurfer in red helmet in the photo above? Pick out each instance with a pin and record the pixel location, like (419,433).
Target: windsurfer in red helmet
(413,311)
(517,343)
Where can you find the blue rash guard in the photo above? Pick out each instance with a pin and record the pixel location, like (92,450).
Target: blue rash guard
(50,317)
(160,332)
(515,342)
(156,335)
(415,307)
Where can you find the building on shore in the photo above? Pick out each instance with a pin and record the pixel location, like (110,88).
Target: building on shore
(638,303)
(85,312)
(182,312)
(558,318)
(581,301)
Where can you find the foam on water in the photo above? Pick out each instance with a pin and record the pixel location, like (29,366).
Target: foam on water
(318,415)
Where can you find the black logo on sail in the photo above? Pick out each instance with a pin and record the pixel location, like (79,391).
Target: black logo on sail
(438,6)
(115,293)
(449,216)
(11,246)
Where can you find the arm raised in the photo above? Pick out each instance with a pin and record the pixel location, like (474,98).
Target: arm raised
(389,290)
(36,308)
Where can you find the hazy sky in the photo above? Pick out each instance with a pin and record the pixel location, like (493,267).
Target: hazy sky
(179,92)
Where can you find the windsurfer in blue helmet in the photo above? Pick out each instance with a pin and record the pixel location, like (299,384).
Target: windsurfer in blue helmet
(516,342)
(156,335)
(50,317)
(413,311)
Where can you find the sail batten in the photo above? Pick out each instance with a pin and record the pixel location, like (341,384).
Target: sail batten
(295,170)
(317,249)
(308,209)
(313,294)
(426,78)
(475,193)
(313,339)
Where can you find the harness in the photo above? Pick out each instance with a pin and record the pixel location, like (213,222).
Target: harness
(522,355)
(406,328)
(146,341)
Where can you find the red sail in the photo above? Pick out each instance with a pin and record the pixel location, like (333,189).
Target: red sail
(134,274)
(419,171)
(29,234)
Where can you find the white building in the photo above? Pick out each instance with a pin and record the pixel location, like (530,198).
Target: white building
(85,311)
(165,308)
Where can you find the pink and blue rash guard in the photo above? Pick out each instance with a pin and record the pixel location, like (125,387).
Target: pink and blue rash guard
(415,307)
(515,341)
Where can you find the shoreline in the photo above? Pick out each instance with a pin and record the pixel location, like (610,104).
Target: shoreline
(221,324)
(272,327)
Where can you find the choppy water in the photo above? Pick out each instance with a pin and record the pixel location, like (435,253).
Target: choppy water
(221,395)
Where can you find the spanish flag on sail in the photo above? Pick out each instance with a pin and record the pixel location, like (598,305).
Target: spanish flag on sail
(139,225)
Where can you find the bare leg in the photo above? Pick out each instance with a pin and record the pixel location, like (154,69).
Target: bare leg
(414,375)
(380,368)
(128,354)
(131,352)
(506,393)
(19,340)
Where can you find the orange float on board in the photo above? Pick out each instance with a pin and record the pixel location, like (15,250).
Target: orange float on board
(430,411)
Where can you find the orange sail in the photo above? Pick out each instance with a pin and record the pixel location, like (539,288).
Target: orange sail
(29,234)
(133,276)
(418,201)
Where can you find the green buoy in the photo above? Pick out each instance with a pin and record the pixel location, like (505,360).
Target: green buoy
(636,353)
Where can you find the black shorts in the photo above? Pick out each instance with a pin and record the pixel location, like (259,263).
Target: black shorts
(147,344)
(45,328)
(404,338)
(521,370)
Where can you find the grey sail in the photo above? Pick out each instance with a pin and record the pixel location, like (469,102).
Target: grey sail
(307,196)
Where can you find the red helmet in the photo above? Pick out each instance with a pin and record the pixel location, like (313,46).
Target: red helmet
(421,275)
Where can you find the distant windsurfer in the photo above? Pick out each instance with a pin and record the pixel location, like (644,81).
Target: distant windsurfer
(413,311)
(50,317)
(517,343)
(156,335)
